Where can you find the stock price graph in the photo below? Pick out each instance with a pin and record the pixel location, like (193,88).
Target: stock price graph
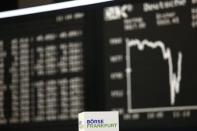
(174,78)
(150,63)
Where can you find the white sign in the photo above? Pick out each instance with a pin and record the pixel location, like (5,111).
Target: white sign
(99,121)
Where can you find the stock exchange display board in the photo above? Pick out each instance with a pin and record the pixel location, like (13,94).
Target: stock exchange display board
(150,66)
(42,68)
(135,57)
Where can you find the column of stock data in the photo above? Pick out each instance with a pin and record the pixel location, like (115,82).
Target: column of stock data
(41,69)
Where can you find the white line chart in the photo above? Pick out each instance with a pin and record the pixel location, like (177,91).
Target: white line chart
(174,76)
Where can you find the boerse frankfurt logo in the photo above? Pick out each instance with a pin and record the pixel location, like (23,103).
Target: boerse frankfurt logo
(97,123)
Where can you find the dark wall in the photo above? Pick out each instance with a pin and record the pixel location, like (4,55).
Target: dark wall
(8,5)
(14,4)
(31,3)
(60,0)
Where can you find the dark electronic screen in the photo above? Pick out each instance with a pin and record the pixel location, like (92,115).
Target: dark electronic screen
(150,62)
(44,69)
(135,57)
